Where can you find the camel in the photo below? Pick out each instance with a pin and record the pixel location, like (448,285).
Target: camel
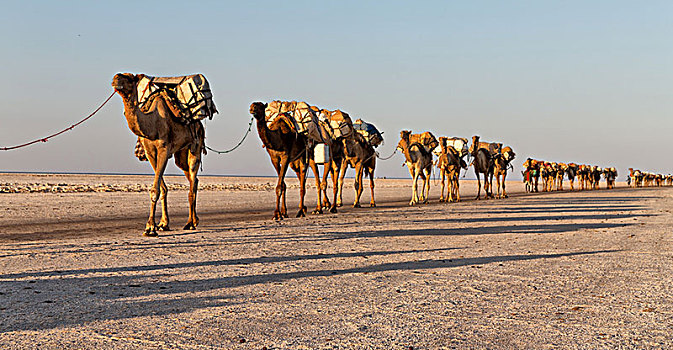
(286,148)
(502,162)
(595,177)
(583,176)
(610,175)
(449,164)
(162,136)
(548,175)
(532,174)
(560,173)
(483,164)
(419,162)
(361,156)
(571,172)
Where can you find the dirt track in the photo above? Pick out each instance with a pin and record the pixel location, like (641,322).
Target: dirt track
(559,270)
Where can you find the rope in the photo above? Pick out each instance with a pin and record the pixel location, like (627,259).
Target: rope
(386,158)
(45,139)
(238,144)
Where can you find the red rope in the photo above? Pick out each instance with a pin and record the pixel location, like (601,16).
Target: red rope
(45,139)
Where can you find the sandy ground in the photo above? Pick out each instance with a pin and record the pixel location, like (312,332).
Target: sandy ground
(559,270)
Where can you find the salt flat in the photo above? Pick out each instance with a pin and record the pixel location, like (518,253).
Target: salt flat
(585,269)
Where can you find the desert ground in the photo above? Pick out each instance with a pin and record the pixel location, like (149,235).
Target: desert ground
(577,270)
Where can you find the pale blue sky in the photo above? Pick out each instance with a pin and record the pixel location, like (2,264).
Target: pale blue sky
(583,81)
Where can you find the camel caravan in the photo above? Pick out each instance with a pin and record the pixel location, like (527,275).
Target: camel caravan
(639,178)
(299,136)
(553,175)
(165,114)
(489,159)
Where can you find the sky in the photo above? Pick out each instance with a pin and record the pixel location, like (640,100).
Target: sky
(567,81)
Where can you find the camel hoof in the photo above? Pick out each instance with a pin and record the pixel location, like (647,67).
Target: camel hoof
(441,200)
(150,232)
(333,209)
(357,205)
(505,196)
(163,227)
(372,205)
(301,213)
(317,211)
(339,204)
(189,226)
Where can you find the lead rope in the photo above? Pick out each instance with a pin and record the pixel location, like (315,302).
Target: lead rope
(45,139)
(238,144)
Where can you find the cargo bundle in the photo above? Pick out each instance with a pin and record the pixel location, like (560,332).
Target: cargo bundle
(369,132)
(190,95)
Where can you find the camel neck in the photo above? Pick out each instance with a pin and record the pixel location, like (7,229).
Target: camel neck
(131,112)
(406,152)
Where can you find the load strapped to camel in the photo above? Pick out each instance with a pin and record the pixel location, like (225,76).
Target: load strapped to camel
(299,116)
(337,123)
(369,132)
(190,95)
(458,143)
(427,139)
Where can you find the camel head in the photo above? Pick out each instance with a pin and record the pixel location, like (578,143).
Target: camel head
(474,147)
(404,139)
(257,110)
(508,154)
(124,83)
(442,146)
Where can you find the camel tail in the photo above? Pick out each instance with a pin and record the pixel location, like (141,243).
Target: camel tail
(140,151)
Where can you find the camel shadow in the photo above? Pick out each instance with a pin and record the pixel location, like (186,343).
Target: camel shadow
(85,298)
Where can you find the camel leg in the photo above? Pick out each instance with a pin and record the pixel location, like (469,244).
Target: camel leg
(457,181)
(414,182)
(158,162)
(421,196)
(488,185)
(478,185)
(504,190)
(335,185)
(194,161)
(372,202)
(426,182)
(323,185)
(163,224)
(281,168)
(301,172)
(497,183)
(441,192)
(316,172)
(358,184)
(342,174)
(283,207)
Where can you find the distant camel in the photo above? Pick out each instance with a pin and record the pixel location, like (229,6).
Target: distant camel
(286,148)
(483,164)
(502,162)
(560,174)
(449,164)
(362,157)
(610,175)
(531,174)
(162,136)
(571,172)
(419,162)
